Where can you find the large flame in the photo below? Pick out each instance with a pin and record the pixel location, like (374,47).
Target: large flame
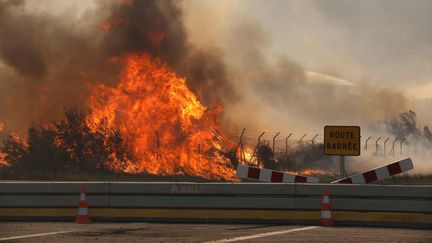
(170,131)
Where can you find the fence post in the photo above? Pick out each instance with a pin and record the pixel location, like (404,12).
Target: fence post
(240,146)
(273,147)
(366,144)
(302,137)
(385,147)
(313,139)
(376,145)
(254,151)
(393,150)
(286,143)
(401,142)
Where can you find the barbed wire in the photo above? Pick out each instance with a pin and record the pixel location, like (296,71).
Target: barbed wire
(375,145)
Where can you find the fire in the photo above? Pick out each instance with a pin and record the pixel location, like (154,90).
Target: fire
(171,132)
(308,172)
(3,161)
(13,136)
(248,153)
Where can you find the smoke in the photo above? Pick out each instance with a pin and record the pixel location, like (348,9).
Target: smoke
(48,62)
(157,27)
(45,59)
(279,95)
(378,45)
(258,68)
(397,138)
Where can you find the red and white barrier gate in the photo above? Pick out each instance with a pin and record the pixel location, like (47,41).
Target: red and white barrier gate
(254,173)
(378,173)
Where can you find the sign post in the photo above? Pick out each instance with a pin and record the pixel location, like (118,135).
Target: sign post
(342,171)
(342,141)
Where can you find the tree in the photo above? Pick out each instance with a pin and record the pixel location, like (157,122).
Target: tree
(404,125)
(85,147)
(93,147)
(44,155)
(427,133)
(265,156)
(73,143)
(116,150)
(14,149)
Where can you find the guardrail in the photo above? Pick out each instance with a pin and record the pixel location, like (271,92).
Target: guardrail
(388,205)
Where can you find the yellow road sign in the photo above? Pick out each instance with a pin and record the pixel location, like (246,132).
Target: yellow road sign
(342,140)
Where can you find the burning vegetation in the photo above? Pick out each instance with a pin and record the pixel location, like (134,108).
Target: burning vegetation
(144,100)
(149,123)
(140,97)
(169,130)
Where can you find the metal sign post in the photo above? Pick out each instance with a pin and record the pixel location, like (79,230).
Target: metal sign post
(342,171)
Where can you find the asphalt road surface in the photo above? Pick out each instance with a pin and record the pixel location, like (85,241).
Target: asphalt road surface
(164,232)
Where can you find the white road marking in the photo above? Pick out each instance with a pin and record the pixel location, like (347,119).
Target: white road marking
(33,235)
(248,237)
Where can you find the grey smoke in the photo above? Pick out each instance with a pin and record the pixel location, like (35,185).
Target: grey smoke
(280,97)
(48,62)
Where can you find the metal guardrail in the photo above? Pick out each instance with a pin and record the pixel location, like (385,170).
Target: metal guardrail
(394,204)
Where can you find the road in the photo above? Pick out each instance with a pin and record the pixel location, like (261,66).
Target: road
(164,232)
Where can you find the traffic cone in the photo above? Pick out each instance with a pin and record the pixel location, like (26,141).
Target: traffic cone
(82,217)
(326,218)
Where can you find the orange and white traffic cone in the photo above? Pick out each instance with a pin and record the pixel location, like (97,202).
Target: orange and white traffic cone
(82,217)
(326,218)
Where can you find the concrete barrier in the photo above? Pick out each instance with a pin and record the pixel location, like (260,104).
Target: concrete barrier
(258,202)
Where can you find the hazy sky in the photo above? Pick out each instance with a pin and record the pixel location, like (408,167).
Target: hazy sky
(386,43)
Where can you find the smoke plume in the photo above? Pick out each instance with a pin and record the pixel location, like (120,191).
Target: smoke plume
(48,62)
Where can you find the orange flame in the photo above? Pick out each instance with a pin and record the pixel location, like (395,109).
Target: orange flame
(3,161)
(172,133)
(308,172)
(17,138)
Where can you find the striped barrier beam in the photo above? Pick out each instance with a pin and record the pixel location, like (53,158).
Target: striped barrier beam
(255,173)
(379,173)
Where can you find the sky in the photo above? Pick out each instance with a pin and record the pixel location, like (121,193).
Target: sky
(277,65)
(382,41)
(388,41)
(386,44)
